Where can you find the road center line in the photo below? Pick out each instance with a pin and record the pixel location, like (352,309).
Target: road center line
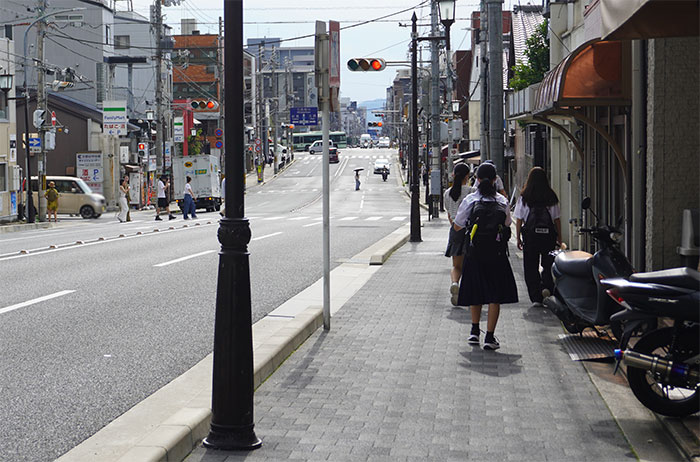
(178,260)
(36,300)
(266,236)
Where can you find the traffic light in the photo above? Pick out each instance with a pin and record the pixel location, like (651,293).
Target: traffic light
(374,124)
(204,105)
(143,150)
(366,64)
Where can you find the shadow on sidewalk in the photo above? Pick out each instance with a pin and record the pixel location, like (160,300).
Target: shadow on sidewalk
(491,363)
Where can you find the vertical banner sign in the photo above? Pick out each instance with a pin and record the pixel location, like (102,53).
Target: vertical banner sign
(178,129)
(89,167)
(168,154)
(334,54)
(114,118)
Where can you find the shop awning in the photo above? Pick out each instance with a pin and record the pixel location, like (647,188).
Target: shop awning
(593,74)
(645,19)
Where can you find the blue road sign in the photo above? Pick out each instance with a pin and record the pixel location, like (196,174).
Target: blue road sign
(303,115)
(34,142)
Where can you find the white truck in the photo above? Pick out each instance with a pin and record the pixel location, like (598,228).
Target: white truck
(204,171)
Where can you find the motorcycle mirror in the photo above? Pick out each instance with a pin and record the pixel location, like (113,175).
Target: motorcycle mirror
(586,203)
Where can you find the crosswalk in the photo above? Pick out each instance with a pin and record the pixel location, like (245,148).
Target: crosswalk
(313,158)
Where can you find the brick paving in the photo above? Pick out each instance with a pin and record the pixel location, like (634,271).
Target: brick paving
(395,380)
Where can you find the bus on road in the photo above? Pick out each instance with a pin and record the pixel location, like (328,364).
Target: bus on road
(302,141)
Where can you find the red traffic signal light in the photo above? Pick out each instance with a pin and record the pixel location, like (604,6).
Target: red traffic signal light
(366,64)
(374,124)
(142,146)
(204,105)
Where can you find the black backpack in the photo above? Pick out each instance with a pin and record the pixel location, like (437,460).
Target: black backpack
(539,227)
(489,219)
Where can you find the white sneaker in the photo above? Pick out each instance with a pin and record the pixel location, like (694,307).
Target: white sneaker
(454,290)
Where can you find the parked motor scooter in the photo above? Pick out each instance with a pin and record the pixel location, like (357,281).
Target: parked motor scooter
(663,367)
(579,300)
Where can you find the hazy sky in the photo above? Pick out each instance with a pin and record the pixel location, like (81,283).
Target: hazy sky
(288,19)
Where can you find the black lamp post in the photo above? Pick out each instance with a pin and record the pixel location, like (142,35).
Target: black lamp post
(447,17)
(232,381)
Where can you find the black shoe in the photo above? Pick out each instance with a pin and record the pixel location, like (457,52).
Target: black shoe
(171,217)
(158,218)
(474,336)
(490,342)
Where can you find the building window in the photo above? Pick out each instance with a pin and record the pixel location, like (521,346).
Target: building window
(4,109)
(122,42)
(3,177)
(108,34)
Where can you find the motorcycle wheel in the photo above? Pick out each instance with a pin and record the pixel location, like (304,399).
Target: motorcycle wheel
(651,389)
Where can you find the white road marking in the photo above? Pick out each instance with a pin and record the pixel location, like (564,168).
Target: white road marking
(398,219)
(178,260)
(273,218)
(373,218)
(348,219)
(71,246)
(36,300)
(266,236)
(298,218)
(312,224)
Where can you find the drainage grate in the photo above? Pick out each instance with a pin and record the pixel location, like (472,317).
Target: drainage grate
(588,346)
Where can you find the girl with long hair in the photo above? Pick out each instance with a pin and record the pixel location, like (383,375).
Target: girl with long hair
(538,232)
(487,277)
(455,242)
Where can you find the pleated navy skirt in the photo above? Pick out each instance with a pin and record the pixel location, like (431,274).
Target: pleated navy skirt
(455,242)
(487,278)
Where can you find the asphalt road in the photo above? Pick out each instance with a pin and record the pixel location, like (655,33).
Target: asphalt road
(98,315)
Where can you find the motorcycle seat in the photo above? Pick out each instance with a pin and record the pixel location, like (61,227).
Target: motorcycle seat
(686,278)
(575,263)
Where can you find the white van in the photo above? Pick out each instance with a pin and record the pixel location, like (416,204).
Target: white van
(74,196)
(365,141)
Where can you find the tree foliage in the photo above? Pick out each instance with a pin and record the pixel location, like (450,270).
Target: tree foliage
(537,52)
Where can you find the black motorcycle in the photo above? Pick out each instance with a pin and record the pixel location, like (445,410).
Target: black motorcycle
(663,367)
(579,300)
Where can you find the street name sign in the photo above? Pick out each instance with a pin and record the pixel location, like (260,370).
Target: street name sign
(303,115)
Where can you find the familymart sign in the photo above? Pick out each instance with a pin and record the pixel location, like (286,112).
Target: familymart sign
(114,118)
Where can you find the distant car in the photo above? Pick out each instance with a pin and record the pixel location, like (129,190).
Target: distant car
(379,164)
(317,147)
(384,142)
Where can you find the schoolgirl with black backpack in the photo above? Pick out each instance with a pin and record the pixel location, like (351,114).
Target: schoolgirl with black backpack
(487,277)
(538,232)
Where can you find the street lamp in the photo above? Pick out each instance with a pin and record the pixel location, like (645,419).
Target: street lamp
(447,17)
(6,82)
(232,375)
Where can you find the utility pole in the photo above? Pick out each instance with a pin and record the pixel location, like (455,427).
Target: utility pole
(496,84)
(435,110)
(484,93)
(160,116)
(41,105)
(276,103)
(262,133)
(415,186)
(220,78)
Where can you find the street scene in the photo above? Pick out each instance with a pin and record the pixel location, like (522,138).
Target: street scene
(447,230)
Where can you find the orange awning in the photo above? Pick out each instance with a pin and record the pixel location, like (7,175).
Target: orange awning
(593,74)
(645,19)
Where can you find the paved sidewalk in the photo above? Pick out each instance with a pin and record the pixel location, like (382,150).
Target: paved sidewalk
(395,379)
